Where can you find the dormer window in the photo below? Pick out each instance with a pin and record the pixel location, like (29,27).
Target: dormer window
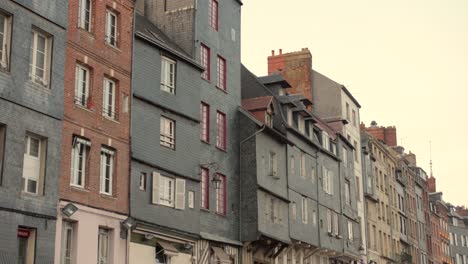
(325,140)
(268,119)
(300,123)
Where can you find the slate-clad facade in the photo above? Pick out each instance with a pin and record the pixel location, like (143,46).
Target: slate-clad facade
(31,107)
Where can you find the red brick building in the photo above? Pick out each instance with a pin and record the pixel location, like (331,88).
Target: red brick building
(96,132)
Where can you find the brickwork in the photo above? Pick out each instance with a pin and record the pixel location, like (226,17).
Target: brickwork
(296,68)
(386,134)
(104,61)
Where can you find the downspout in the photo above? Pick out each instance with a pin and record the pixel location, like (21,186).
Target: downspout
(240,191)
(341,200)
(130,100)
(318,198)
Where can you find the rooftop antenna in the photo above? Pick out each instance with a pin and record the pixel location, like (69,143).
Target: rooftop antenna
(430,156)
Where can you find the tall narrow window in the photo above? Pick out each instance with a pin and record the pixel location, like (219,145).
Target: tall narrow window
(205,61)
(167,191)
(84,14)
(103,246)
(221,130)
(356,152)
(80,148)
(344,153)
(111,28)
(107,170)
(81,85)
(168,75)
(205,188)
(167,133)
(273,164)
(221,73)
(329,221)
(108,104)
(213,14)
(205,122)
(221,195)
(33,163)
(67,243)
(305,213)
(336,228)
(347,112)
(40,57)
(303,165)
(5,40)
(354,118)
(142,182)
(347,193)
(350,231)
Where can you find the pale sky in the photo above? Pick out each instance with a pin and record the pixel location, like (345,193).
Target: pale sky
(406,62)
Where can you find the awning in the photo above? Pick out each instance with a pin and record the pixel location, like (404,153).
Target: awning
(221,255)
(169,249)
(216,238)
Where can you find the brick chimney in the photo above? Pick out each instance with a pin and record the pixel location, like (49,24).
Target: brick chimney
(296,68)
(431,183)
(385,134)
(462,210)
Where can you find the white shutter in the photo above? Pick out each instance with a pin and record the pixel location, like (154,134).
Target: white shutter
(155,196)
(180,194)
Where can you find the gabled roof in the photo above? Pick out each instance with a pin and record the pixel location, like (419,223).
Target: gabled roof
(146,30)
(257,103)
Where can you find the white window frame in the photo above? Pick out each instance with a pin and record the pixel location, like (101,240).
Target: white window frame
(166,191)
(108,98)
(301,123)
(329,221)
(79,145)
(82,83)
(107,170)
(82,14)
(5,36)
(167,132)
(104,240)
(305,213)
(68,243)
(221,196)
(350,231)
(347,192)
(33,67)
(111,30)
(273,164)
(289,116)
(336,229)
(303,170)
(325,140)
(32,165)
(168,75)
(143,181)
(294,210)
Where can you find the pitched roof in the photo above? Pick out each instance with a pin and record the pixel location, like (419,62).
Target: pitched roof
(257,103)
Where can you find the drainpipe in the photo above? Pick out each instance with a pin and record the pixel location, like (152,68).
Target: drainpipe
(240,191)
(341,200)
(318,198)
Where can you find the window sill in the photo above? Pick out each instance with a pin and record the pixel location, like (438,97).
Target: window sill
(79,188)
(204,141)
(40,87)
(107,196)
(5,69)
(111,119)
(206,80)
(221,215)
(116,48)
(166,147)
(32,195)
(84,108)
(220,149)
(206,210)
(84,31)
(221,89)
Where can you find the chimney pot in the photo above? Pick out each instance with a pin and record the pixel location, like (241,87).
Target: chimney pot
(281,51)
(272,52)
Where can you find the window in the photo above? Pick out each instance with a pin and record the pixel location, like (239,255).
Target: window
(2,149)
(142,182)
(213,14)
(221,195)
(305,215)
(327,176)
(167,132)
(108,104)
(27,245)
(111,28)
(347,112)
(40,57)
(33,167)
(329,221)
(84,14)
(205,122)
(205,189)
(103,246)
(221,130)
(81,85)
(268,119)
(356,152)
(273,164)
(314,217)
(303,165)
(347,193)
(221,73)
(168,191)
(191,199)
(290,116)
(301,124)
(205,61)
(168,73)
(292,166)
(354,118)
(107,170)
(5,40)
(335,224)
(325,140)
(80,148)
(350,231)
(293,210)
(67,243)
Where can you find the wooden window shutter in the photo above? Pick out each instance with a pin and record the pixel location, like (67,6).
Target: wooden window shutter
(180,194)
(155,196)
